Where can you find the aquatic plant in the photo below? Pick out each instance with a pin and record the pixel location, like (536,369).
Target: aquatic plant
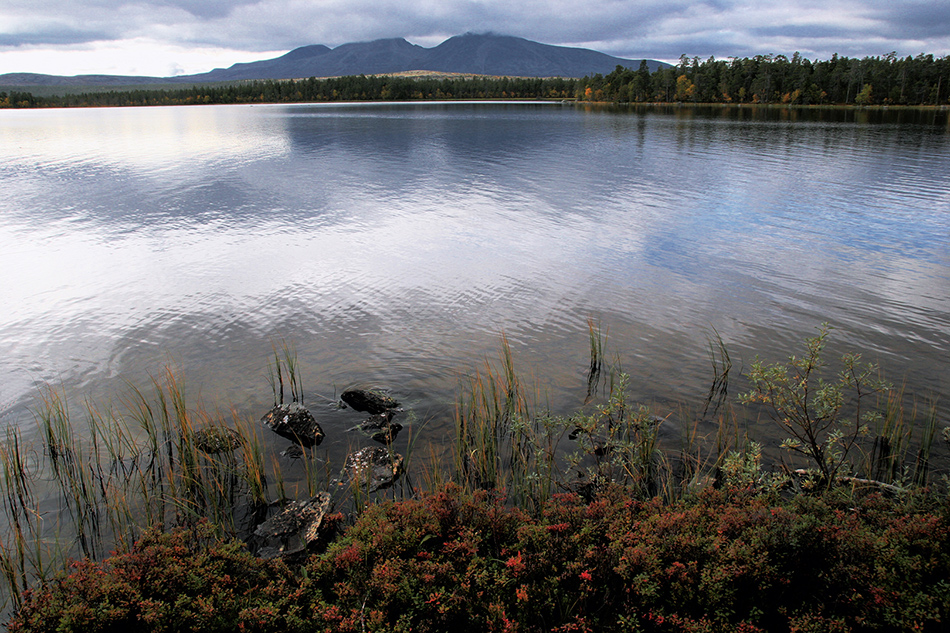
(892,458)
(285,365)
(490,417)
(598,342)
(144,463)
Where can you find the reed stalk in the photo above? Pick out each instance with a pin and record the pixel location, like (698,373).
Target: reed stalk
(891,438)
(285,365)
(721,363)
(922,463)
(597,340)
(134,466)
(23,524)
(137,463)
(490,416)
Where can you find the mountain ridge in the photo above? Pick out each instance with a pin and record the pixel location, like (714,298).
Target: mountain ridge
(471,53)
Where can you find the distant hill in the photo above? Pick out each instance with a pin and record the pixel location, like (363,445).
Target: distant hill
(36,79)
(482,54)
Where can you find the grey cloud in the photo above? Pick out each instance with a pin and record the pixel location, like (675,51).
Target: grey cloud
(272,24)
(84,21)
(803,32)
(208,9)
(661,29)
(54,37)
(913,20)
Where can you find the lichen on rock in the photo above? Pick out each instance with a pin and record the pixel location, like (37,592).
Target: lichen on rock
(374,467)
(294,422)
(292,530)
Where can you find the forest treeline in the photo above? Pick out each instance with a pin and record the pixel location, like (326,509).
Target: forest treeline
(353,88)
(885,80)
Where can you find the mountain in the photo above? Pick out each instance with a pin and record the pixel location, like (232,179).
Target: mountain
(517,57)
(485,54)
(361,58)
(482,54)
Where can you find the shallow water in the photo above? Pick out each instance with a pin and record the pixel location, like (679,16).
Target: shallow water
(392,244)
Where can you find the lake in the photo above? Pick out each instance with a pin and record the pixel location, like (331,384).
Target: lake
(393,244)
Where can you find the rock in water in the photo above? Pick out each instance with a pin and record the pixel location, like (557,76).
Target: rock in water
(375,467)
(294,422)
(294,528)
(369,401)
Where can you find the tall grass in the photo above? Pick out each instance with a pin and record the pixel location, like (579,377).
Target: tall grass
(891,458)
(134,466)
(504,441)
(617,443)
(721,367)
(22,547)
(597,339)
(489,416)
(285,370)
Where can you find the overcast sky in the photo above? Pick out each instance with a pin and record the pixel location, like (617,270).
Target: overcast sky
(171,37)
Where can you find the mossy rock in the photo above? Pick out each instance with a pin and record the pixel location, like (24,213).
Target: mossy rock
(216,439)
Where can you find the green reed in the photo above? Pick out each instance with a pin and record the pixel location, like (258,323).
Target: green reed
(134,465)
(891,458)
(490,417)
(505,442)
(18,560)
(721,363)
(285,370)
(597,340)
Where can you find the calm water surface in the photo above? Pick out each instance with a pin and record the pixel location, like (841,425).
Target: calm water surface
(393,244)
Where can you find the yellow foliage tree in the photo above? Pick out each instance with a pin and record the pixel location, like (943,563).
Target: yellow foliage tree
(685,89)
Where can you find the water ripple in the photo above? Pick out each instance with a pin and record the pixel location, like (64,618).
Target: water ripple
(394,244)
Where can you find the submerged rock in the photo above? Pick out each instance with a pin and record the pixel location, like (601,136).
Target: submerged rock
(375,467)
(292,452)
(294,422)
(369,401)
(291,531)
(387,435)
(381,427)
(216,439)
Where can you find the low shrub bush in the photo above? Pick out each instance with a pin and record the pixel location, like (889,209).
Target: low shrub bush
(724,560)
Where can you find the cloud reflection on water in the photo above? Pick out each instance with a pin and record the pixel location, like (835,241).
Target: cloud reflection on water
(394,243)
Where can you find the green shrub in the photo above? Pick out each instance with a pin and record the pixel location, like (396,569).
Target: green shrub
(824,418)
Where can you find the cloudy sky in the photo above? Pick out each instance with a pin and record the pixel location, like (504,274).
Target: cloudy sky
(171,37)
